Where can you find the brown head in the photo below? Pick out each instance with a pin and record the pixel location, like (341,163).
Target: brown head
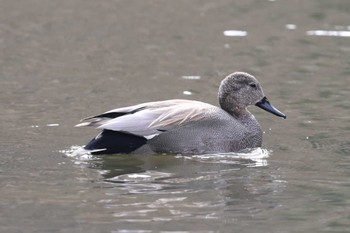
(239,90)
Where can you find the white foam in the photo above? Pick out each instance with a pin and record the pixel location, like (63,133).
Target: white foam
(256,157)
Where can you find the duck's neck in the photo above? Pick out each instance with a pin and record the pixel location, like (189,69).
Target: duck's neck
(245,117)
(237,112)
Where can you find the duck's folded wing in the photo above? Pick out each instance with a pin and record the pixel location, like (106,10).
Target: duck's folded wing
(98,120)
(152,119)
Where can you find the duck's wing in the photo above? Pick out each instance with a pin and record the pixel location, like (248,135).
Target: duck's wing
(150,119)
(101,119)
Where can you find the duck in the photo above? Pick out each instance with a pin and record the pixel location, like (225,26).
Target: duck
(182,126)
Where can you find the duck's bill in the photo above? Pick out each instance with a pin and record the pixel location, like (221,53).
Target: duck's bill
(267,106)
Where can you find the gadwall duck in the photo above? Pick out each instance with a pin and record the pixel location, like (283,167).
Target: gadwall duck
(185,126)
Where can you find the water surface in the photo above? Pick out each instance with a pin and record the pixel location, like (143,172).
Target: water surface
(62,61)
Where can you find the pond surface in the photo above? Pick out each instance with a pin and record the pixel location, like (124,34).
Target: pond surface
(61,61)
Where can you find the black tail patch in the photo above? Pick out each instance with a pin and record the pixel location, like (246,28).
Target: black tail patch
(115,142)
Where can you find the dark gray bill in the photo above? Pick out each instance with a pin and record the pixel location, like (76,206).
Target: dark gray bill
(265,104)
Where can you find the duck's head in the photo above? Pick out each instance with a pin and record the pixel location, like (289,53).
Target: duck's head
(239,90)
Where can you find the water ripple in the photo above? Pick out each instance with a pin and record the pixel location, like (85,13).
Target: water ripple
(327,144)
(251,157)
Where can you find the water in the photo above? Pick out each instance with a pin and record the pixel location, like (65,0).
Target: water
(63,61)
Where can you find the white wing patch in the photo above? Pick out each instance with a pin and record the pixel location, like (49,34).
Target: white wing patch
(136,123)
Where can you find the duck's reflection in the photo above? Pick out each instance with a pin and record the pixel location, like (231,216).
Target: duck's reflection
(145,188)
(180,166)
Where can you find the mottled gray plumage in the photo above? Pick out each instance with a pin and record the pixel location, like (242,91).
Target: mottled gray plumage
(185,126)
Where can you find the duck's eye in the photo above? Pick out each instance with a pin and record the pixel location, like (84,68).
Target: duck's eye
(252,85)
